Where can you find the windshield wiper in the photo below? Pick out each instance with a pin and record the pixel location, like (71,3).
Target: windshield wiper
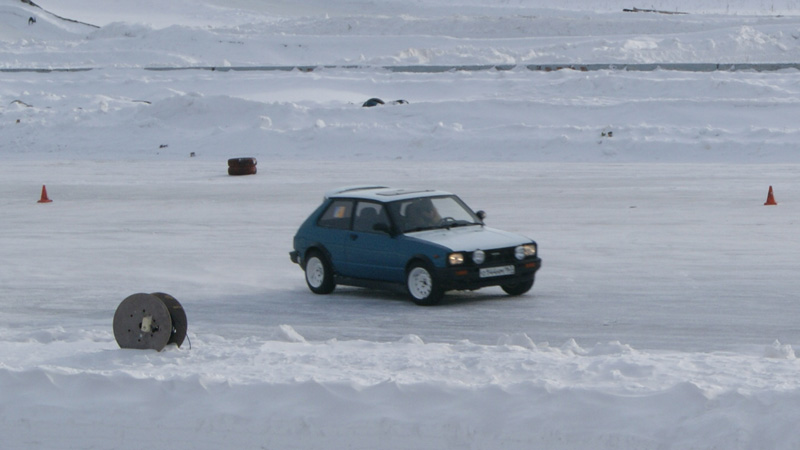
(456,223)
(442,226)
(413,230)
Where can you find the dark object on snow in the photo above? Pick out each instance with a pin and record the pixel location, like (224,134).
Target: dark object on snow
(242,166)
(377,101)
(652,11)
(178,316)
(31,20)
(150,321)
(372,102)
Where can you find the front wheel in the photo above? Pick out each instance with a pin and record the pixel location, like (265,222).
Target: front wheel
(319,274)
(422,285)
(518,288)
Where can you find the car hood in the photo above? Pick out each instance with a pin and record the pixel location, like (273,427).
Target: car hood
(470,238)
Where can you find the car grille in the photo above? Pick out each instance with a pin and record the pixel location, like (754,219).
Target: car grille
(499,256)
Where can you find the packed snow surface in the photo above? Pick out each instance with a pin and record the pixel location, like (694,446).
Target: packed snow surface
(665,312)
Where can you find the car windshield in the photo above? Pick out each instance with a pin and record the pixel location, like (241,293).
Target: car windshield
(428,213)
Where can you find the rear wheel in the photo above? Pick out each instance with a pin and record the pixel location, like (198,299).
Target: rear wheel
(518,288)
(319,274)
(422,285)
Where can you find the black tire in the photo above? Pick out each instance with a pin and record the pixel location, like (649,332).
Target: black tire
(242,166)
(244,170)
(319,273)
(242,162)
(518,288)
(422,285)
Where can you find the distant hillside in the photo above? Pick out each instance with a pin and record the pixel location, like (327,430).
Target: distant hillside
(24,19)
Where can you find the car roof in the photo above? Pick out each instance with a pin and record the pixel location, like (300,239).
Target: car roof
(382,193)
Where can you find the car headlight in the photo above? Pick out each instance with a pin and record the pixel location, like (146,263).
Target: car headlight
(455,259)
(478,256)
(524,251)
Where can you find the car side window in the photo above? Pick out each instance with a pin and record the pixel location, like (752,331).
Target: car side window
(399,211)
(337,215)
(369,214)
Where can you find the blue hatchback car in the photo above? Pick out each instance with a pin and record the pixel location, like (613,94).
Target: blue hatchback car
(426,242)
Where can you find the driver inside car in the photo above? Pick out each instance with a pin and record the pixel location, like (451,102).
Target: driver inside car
(422,214)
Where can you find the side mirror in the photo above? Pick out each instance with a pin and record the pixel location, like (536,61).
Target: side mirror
(481,215)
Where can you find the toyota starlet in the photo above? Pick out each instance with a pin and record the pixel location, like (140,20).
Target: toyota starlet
(425,242)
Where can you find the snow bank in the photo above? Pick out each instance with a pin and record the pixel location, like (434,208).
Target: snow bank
(316,34)
(290,393)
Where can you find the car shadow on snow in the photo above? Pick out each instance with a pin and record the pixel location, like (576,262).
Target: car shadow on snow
(452,298)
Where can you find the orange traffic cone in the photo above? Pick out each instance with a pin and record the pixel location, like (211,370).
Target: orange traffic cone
(44,198)
(770,198)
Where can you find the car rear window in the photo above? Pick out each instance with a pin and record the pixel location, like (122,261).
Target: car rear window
(337,215)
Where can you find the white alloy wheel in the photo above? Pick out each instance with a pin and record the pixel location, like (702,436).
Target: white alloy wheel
(420,283)
(315,272)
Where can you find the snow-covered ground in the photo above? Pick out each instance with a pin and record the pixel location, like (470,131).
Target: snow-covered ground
(665,314)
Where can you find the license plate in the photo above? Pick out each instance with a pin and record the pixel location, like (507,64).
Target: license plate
(496,271)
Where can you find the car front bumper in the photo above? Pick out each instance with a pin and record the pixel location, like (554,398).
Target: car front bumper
(470,278)
(295,257)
